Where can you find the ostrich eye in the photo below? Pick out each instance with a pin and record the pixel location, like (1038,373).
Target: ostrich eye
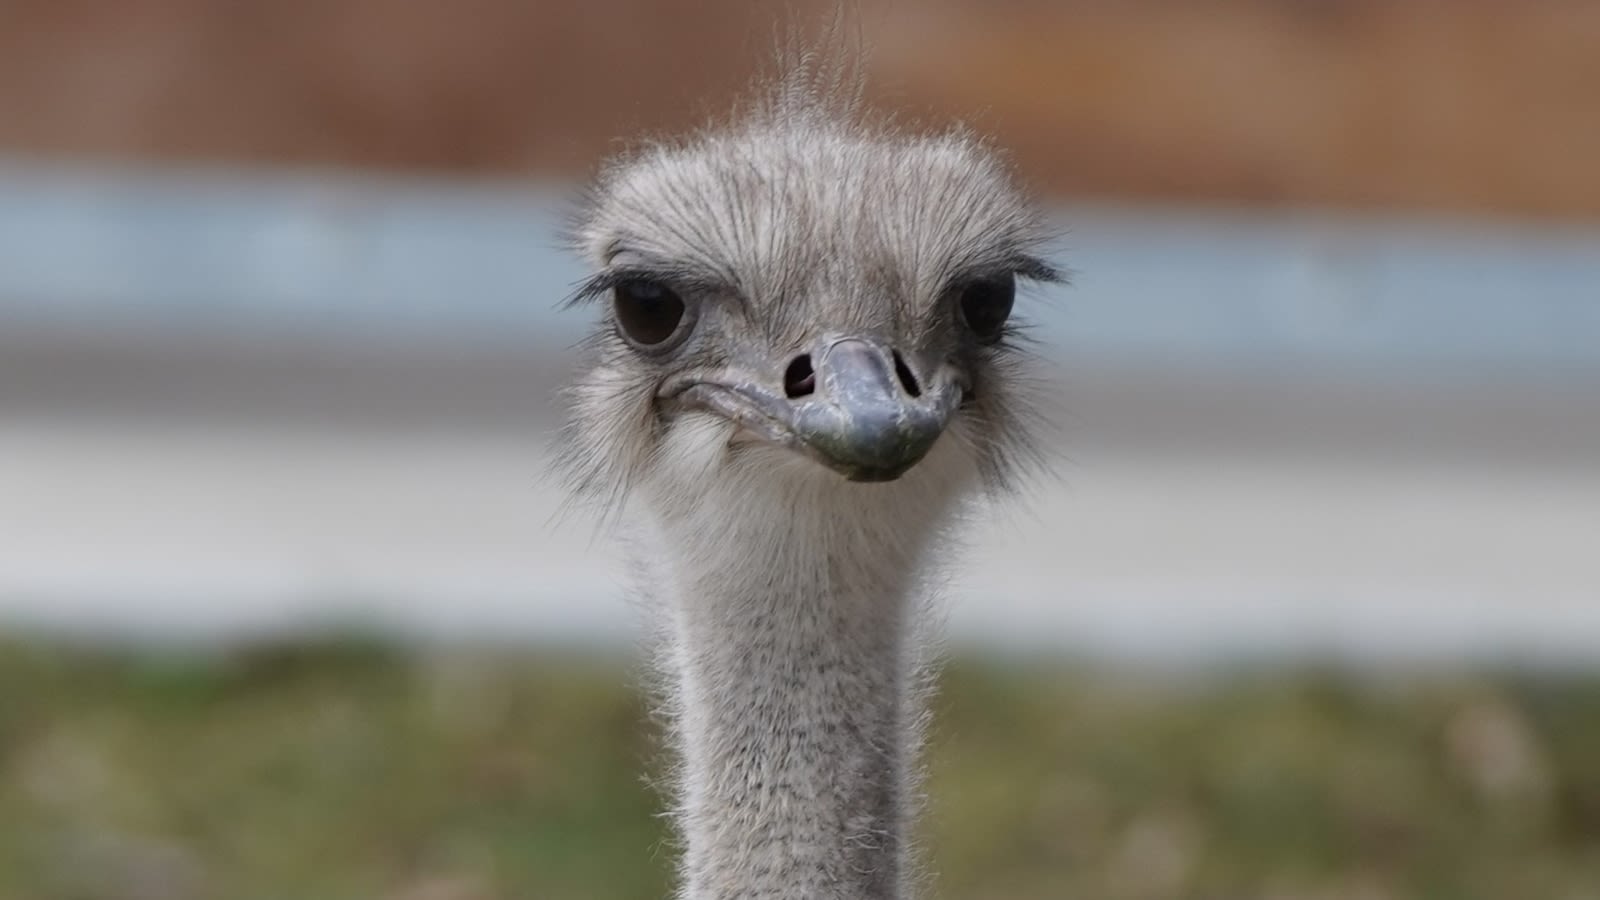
(986,305)
(648,312)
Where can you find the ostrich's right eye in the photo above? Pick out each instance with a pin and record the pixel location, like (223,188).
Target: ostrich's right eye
(648,312)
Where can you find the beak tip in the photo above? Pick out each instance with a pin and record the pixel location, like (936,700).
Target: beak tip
(868,443)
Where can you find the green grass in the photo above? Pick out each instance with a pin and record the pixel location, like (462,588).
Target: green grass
(354,770)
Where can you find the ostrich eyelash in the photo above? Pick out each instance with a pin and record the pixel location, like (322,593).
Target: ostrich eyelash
(684,279)
(1023,266)
(1032,268)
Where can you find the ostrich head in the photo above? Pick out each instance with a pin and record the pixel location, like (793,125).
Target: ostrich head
(805,306)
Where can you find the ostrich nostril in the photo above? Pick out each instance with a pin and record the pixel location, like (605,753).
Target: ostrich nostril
(907,379)
(799,380)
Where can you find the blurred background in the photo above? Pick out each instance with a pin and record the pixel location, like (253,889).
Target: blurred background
(1310,611)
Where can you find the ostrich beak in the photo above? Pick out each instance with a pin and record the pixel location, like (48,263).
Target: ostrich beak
(860,412)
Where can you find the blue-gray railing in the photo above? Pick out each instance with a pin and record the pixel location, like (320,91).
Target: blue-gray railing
(349,256)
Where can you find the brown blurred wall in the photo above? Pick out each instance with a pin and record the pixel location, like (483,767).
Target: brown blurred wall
(1483,106)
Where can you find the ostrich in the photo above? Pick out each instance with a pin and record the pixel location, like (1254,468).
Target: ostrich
(806,367)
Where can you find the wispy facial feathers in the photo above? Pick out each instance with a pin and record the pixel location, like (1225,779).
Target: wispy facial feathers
(805,217)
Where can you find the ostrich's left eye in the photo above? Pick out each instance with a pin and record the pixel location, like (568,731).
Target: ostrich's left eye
(986,305)
(648,312)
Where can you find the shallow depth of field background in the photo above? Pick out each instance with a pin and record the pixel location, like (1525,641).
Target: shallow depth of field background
(288,605)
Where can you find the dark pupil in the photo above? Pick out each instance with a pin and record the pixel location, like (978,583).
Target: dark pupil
(987,304)
(647,311)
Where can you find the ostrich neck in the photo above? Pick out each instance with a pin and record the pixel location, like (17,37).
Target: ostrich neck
(793,713)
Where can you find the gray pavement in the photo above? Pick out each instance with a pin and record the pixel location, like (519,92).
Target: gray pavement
(155,489)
